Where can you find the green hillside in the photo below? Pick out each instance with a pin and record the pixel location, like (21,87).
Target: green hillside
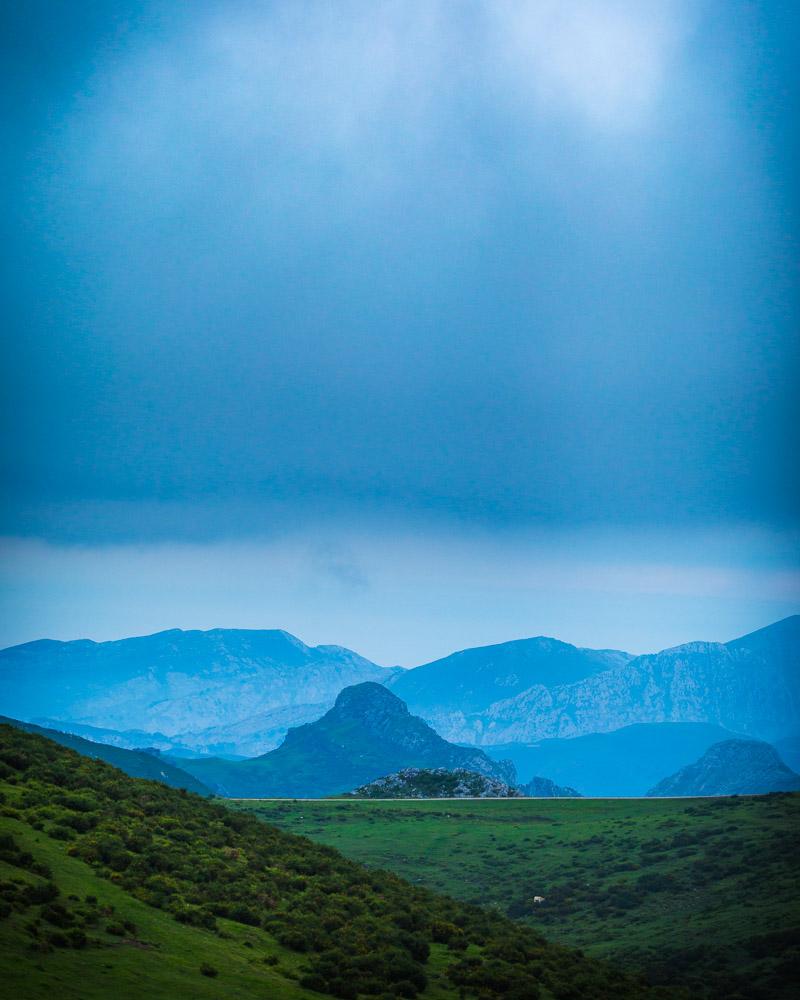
(115,886)
(135,763)
(702,892)
(368,734)
(94,940)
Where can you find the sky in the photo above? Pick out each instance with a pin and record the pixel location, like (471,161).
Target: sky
(407,326)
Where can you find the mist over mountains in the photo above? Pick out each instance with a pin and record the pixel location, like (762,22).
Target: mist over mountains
(176,682)
(750,685)
(602,721)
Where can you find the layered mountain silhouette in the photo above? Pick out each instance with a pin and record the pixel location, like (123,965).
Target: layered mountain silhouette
(181,683)
(733,767)
(136,763)
(229,692)
(628,761)
(750,686)
(472,680)
(367,734)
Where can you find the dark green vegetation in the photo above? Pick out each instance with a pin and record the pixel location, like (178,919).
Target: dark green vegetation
(67,932)
(702,892)
(434,783)
(733,767)
(114,886)
(136,763)
(367,734)
(628,761)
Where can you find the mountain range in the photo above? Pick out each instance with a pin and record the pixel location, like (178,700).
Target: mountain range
(466,684)
(369,733)
(192,686)
(750,685)
(601,721)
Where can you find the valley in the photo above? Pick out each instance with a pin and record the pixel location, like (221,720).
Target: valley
(368,854)
(701,892)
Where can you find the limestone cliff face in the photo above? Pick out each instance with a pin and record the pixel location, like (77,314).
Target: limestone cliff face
(733,767)
(750,686)
(468,682)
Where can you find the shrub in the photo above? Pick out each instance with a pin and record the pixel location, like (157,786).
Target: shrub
(364,932)
(42,893)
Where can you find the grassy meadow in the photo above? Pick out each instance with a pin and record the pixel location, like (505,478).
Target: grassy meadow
(700,891)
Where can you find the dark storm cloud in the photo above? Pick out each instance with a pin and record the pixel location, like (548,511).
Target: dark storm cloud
(501,262)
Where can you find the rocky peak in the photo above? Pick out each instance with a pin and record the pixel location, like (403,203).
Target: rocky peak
(368,702)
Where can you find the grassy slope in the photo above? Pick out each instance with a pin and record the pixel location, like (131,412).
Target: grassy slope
(195,882)
(162,959)
(673,886)
(135,763)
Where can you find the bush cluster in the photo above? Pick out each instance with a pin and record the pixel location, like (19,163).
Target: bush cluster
(362,932)
(51,920)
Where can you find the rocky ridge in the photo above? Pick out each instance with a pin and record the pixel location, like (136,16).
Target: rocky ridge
(750,685)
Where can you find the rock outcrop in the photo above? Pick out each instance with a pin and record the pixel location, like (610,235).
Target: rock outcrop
(435,783)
